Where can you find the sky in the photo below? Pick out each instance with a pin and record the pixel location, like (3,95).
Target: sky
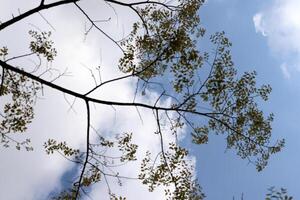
(265,37)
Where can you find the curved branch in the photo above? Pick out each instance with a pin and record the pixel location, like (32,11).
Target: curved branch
(142,3)
(210,115)
(39,8)
(129,75)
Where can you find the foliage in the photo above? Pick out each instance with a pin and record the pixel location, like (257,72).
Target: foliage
(22,91)
(278,194)
(51,145)
(42,45)
(172,168)
(18,111)
(169,46)
(163,45)
(128,149)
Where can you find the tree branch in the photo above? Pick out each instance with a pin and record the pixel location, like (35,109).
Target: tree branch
(99,29)
(162,149)
(2,82)
(210,115)
(41,7)
(87,148)
(141,3)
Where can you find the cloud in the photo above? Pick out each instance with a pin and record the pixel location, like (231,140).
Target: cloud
(257,19)
(279,23)
(146,139)
(285,71)
(34,175)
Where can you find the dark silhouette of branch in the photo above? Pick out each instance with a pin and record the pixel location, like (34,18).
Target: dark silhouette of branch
(130,75)
(2,81)
(86,98)
(97,27)
(39,8)
(142,3)
(20,56)
(87,148)
(163,153)
(210,115)
(155,56)
(42,2)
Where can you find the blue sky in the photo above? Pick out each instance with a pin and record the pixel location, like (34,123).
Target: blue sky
(224,175)
(265,37)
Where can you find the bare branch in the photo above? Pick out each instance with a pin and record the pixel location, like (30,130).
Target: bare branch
(41,7)
(87,148)
(97,27)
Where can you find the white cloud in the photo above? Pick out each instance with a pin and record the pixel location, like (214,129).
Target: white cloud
(33,175)
(280,23)
(258,24)
(285,71)
(144,137)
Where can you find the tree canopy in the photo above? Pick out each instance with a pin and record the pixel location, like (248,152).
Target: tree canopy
(162,54)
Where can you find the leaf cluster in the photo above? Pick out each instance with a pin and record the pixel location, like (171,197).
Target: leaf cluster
(173,171)
(167,44)
(42,45)
(18,112)
(281,194)
(127,148)
(52,145)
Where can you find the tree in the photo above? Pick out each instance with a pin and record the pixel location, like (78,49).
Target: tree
(281,194)
(274,194)
(206,92)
